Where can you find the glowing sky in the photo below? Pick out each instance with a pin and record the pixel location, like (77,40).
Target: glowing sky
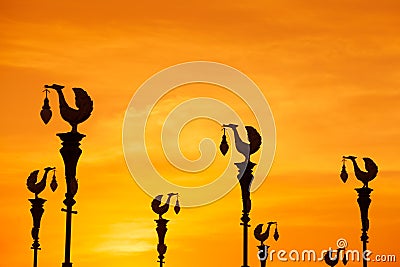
(329,70)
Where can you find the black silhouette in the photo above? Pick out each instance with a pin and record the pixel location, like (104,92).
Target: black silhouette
(262,237)
(370,166)
(162,209)
(343,174)
(364,193)
(334,260)
(245,176)
(364,201)
(223,147)
(37,209)
(162,223)
(37,187)
(53,184)
(244,148)
(46,113)
(71,152)
(82,101)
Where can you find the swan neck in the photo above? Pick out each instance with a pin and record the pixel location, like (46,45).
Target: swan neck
(237,137)
(61,98)
(46,172)
(169,199)
(356,168)
(268,229)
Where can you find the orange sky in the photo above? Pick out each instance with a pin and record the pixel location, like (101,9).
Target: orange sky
(329,70)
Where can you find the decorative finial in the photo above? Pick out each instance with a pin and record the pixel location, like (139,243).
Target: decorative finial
(32,182)
(73,116)
(364,176)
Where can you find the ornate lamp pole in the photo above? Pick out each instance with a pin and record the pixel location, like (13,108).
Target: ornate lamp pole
(262,237)
(162,223)
(364,192)
(37,209)
(245,175)
(70,150)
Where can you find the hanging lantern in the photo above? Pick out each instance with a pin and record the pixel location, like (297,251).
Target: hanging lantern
(276,234)
(343,174)
(177,208)
(46,113)
(223,147)
(54,184)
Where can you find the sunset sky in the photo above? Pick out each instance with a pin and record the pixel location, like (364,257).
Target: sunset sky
(330,71)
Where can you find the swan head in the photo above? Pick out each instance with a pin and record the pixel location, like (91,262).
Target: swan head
(349,157)
(47,169)
(230,125)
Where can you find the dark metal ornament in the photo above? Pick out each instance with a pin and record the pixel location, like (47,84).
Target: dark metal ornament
(46,112)
(343,174)
(223,147)
(276,234)
(177,208)
(54,184)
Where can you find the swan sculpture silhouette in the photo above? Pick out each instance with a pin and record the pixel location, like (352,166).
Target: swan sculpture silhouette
(82,101)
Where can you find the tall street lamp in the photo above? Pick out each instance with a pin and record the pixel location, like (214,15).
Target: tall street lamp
(70,150)
(159,208)
(262,237)
(37,209)
(364,192)
(245,174)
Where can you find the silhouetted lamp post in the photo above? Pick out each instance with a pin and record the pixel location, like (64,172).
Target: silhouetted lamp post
(162,223)
(245,174)
(364,192)
(70,150)
(37,209)
(262,237)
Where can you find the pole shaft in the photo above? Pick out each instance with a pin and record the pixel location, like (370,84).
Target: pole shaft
(68,225)
(37,211)
(245,179)
(245,243)
(35,257)
(364,249)
(245,222)
(161,246)
(70,153)
(364,202)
